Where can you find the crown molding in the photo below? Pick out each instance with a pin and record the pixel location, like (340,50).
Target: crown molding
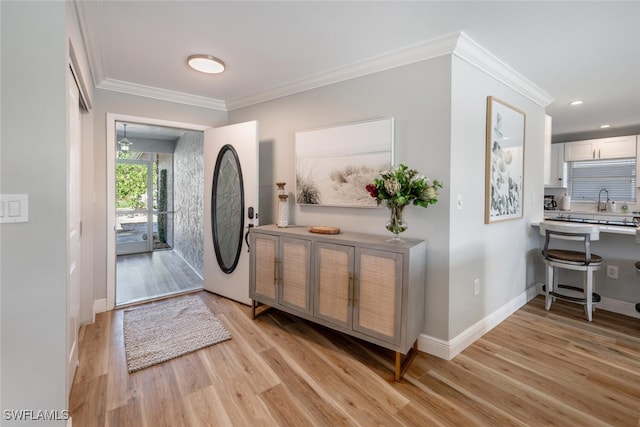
(471,52)
(457,44)
(418,52)
(84,11)
(161,94)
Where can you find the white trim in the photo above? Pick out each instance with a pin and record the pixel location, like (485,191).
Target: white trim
(617,306)
(69,422)
(458,44)
(99,306)
(93,46)
(422,51)
(161,94)
(449,349)
(112,118)
(471,52)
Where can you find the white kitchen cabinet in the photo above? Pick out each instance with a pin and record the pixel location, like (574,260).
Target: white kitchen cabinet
(557,168)
(601,149)
(360,284)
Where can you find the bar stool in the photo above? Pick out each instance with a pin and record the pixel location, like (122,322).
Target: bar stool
(638,273)
(584,261)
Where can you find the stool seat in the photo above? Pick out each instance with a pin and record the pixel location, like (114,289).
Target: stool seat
(583,261)
(575,256)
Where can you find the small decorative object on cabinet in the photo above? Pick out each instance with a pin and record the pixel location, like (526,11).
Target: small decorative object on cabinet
(358,284)
(283,205)
(400,187)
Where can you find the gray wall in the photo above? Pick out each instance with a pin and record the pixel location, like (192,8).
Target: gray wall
(440,112)
(33,161)
(502,255)
(418,96)
(188,191)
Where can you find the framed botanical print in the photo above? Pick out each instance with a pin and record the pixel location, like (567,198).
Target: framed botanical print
(504,167)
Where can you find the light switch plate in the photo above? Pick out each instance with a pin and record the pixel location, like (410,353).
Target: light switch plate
(14,208)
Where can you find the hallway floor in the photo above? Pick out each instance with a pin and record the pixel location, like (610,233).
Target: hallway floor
(152,275)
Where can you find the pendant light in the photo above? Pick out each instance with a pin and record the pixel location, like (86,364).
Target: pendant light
(124,143)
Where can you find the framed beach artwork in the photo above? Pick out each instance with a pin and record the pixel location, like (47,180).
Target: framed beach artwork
(334,164)
(504,170)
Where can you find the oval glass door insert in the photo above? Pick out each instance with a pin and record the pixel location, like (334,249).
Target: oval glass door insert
(227,209)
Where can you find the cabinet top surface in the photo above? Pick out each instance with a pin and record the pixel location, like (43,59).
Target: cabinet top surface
(302,231)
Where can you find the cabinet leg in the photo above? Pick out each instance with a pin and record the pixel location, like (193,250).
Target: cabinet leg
(401,367)
(254,309)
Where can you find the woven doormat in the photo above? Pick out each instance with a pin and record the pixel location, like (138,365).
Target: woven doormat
(160,331)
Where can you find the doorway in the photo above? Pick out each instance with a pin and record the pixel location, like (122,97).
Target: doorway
(137,201)
(150,258)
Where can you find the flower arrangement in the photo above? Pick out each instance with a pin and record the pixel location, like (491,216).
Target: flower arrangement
(399,187)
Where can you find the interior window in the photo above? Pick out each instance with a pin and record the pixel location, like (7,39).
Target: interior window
(618,177)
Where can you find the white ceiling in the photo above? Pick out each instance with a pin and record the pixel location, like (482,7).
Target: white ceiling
(570,50)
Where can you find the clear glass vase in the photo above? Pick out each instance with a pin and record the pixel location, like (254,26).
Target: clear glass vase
(396,225)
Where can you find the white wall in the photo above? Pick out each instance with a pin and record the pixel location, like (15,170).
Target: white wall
(418,96)
(33,161)
(119,103)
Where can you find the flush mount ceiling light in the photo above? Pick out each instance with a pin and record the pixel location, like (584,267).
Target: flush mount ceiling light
(574,103)
(206,64)
(124,143)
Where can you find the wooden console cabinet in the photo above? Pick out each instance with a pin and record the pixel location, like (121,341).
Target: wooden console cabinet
(361,284)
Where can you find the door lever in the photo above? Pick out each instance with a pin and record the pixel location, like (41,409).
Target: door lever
(246,237)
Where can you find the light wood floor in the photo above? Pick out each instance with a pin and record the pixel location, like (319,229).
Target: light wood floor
(152,275)
(536,368)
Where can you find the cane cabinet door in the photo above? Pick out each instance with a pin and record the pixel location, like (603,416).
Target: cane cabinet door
(334,283)
(295,274)
(264,274)
(377,294)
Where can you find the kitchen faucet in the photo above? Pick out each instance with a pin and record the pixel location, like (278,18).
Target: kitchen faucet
(601,207)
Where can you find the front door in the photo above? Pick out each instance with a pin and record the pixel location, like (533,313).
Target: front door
(230,207)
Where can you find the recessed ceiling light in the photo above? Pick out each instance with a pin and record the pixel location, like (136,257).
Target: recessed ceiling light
(206,64)
(604,126)
(574,103)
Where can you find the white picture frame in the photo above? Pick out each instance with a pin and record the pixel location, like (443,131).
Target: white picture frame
(334,164)
(504,166)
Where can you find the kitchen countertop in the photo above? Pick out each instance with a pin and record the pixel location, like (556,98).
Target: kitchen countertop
(605,228)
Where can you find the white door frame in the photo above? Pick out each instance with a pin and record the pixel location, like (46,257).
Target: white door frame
(112,118)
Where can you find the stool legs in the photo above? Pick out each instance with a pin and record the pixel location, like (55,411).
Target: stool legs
(588,307)
(550,279)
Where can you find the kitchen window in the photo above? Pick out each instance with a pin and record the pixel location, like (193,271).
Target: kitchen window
(587,178)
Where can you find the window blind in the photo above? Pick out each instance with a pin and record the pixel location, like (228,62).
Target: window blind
(618,177)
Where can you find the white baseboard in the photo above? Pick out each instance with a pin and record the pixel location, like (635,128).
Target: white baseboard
(617,306)
(449,349)
(613,305)
(99,306)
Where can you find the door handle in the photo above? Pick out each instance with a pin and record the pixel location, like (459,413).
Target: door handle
(246,237)
(251,214)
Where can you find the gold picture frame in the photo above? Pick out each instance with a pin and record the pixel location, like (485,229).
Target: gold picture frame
(504,166)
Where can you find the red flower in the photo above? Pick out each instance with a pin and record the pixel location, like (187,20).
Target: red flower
(373,190)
